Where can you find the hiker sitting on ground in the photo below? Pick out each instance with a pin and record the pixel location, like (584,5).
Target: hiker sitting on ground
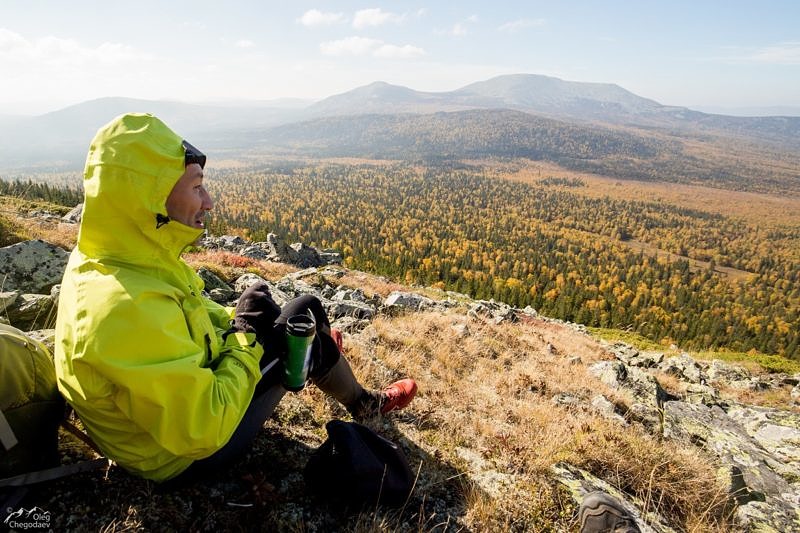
(163,380)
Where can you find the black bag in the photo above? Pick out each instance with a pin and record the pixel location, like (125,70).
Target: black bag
(359,467)
(31,407)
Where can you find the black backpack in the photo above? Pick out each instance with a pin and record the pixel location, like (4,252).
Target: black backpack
(31,407)
(31,410)
(357,466)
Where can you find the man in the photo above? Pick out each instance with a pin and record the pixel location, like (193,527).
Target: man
(163,380)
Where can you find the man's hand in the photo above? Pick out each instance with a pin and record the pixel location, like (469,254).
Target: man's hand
(256,312)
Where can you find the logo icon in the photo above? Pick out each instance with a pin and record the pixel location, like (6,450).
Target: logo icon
(34,518)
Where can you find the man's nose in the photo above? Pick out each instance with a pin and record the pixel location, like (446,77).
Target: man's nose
(208,203)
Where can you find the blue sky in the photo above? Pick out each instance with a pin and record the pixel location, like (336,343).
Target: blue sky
(691,53)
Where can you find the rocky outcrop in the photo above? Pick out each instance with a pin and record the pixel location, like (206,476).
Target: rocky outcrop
(275,249)
(758,448)
(31,267)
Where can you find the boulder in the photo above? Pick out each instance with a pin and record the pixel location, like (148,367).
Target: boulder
(230,243)
(32,266)
(721,372)
(408,300)
(712,429)
(683,367)
(7,299)
(74,216)
(32,311)
(212,281)
(307,256)
(245,280)
(777,431)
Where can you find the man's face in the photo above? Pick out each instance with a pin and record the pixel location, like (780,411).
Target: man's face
(188,201)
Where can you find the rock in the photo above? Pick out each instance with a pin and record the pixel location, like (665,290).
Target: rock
(682,366)
(7,299)
(32,311)
(607,409)
(278,250)
(254,251)
(230,243)
(795,394)
(330,257)
(716,432)
(484,474)
(646,392)
(245,280)
(45,336)
(350,308)
(494,311)
(612,373)
(563,398)
(766,517)
(32,266)
(721,372)
(704,394)
(753,384)
(408,300)
(580,483)
(74,216)
(307,256)
(461,331)
(349,324)
(778,431)
(212,281)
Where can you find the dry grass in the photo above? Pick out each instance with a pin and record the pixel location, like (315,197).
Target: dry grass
(491,393)
(16,228)
(230,266)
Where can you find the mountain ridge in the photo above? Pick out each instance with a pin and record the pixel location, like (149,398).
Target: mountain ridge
(62,136)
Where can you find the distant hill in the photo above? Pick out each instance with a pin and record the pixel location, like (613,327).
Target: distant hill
(59,139)
(62,137)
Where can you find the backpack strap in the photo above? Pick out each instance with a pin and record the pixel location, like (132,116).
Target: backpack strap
(7,437)
(29,478)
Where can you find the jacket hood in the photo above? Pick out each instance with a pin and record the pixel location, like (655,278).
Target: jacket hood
(133,163)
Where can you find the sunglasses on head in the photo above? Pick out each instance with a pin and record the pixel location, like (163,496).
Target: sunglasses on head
(193,155)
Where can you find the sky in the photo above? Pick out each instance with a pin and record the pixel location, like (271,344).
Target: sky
(693,53)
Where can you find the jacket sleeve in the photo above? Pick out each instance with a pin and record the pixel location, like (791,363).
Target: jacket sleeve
(161,379)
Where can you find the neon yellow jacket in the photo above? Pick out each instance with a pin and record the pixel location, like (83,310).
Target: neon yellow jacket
(139,352)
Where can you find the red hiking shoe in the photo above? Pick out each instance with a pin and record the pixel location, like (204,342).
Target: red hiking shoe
(398,395)
(336,335)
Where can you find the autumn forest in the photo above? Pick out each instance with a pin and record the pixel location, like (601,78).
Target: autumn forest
(720,282)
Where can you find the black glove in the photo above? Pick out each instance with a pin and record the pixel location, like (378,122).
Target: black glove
(256,312)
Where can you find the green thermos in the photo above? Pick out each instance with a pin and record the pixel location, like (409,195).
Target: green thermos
(300,330)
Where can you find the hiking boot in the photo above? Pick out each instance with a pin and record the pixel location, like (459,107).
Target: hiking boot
(336,335)
(600,513)
(394,397)
(398,395)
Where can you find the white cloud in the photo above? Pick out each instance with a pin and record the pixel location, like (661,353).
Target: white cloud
(363,46)
(521,24)
(458,30)
(245,43)
(57,52)
(787,53)
(398,52)
(375,17)
(357,46)
(315,17)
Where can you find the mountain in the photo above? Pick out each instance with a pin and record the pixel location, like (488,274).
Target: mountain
(59,139)
(62,137)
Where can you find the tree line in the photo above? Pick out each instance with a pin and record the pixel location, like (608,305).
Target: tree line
(539,245)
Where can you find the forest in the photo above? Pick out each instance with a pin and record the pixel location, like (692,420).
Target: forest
(546,243)
(543,245)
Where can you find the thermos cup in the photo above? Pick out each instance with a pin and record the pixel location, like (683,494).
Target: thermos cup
(300,330)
